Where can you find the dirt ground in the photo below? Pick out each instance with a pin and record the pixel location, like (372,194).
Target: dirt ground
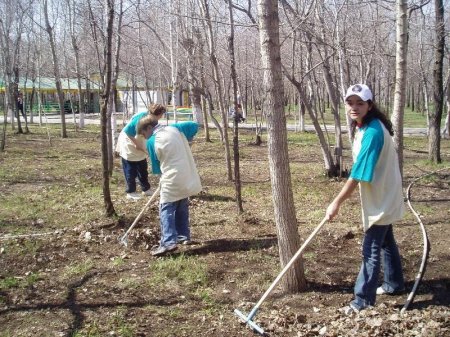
(75,279)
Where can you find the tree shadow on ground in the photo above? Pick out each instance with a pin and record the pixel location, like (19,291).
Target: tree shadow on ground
(439,288)
(230,245)
(212,197)
(77,309)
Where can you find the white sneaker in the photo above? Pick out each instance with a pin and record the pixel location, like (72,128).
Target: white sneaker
(381,291)
(149,192)
(163,250)
(133,196)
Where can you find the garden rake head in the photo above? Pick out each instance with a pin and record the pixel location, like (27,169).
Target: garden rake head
(248,320)
(123,240)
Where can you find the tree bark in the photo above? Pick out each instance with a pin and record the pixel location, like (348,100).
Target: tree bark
(56,71)
(76,51)
(400,78)
(237,170)
(434,134)
(217,81)
(109,207)
(280,175)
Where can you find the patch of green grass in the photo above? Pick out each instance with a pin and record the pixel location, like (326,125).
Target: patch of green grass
(185,271)
(49,189)
(31,279)
(9,282)
(210,306)
(19,282)
(27,247)
(174,312)
(302,138)
(91,330)
(77,269)
(309,255)
(129,283)
(423,209)
(118,261)
(119,323)
(6,333)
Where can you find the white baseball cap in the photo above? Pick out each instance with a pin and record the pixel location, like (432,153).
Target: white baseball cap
(360,90)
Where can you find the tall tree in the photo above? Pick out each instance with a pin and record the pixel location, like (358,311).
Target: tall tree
(106,91)
(204,6)
(435,114)
(76,50)
(237,170)
(11,29)
(280,175)
(56,72)
(400,77)
(113,90)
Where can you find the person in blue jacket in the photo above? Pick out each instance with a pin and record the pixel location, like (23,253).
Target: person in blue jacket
(171,158)
(376,171)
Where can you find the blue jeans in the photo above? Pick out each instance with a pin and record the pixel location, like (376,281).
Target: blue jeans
(133,170)
(378,239)
(174,221)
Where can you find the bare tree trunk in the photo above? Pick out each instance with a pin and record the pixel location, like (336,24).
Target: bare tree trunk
(174,57)
(141,53)
(434,135)
(56,71)
(446,129)
(400,78)
(280,175)
(191,42)
(203,86)
(112,95)
(15,95)
(76,51)
(11,28)
(237,170)
(216,74)
(109,207)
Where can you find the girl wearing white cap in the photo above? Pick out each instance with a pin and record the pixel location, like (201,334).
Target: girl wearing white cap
(376,171)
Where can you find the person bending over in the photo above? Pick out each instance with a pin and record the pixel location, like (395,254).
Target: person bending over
(172,159)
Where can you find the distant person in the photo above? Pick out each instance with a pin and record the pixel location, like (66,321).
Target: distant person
(171,157)
(132,149)
(237,114)
(20,105)
(376,171)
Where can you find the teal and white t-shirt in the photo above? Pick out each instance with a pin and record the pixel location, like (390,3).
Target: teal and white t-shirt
(171,156)
(126,148)
(376,168)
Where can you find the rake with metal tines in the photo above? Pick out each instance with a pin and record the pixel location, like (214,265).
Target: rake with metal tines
(124,238)
(248,319)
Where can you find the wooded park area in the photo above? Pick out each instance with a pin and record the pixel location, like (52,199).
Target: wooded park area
(267,181)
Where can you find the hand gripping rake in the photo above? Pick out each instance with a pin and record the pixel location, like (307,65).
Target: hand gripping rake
(123,239)
(248,319)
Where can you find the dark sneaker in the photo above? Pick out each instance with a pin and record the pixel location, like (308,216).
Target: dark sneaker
(163,250)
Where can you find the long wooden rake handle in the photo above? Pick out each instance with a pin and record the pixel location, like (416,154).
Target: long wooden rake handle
(248,319)
(153,197)
(291,262)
